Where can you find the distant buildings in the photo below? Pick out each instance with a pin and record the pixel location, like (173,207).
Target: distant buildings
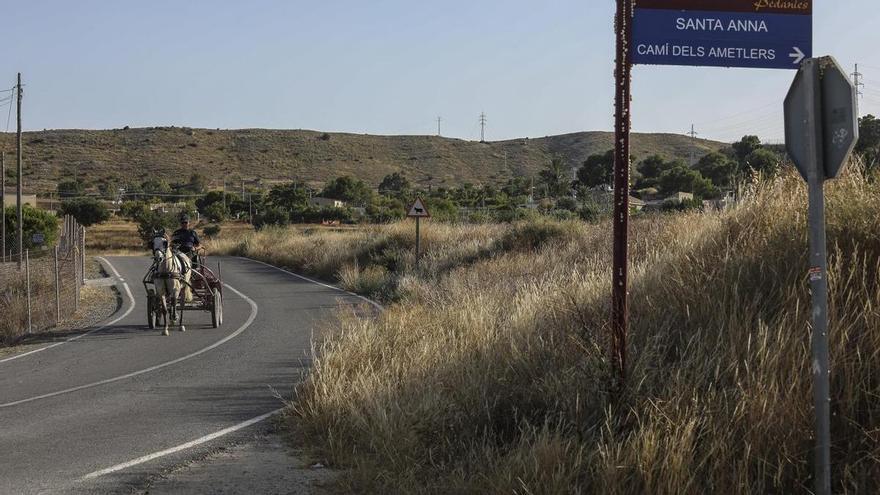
(326,202)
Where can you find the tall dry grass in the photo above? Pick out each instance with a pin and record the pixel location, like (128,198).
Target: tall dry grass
(491,374)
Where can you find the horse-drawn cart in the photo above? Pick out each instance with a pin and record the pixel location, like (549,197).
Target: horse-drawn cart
(206,288)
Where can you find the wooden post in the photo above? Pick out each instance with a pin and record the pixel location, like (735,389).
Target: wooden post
(3,206)
(18,182)
(27,270)
(57,289)
(619,296)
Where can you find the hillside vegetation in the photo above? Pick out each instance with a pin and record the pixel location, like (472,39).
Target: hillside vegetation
(491,373)
(174,153)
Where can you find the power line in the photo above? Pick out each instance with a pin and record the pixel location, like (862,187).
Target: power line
(483,127)
(438,124)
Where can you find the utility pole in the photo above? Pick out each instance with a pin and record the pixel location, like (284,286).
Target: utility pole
(857,82)
(242,189)
(693,135)
(3,206)
(483,127)
(18,182)
(622,121)
(438,125)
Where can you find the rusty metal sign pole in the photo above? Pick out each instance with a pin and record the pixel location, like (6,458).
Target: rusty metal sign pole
(619,295)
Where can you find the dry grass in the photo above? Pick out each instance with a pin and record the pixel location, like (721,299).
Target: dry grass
(491,375)
(118,236)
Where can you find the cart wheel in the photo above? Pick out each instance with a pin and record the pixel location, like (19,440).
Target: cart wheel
(151,322)
(217,309)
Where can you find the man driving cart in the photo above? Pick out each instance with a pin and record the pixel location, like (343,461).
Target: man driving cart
(186,240)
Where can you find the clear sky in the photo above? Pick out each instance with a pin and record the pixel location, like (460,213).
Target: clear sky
(384,67)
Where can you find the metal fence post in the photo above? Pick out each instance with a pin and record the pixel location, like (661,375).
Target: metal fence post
(82,255)
(27,270)
(57,289)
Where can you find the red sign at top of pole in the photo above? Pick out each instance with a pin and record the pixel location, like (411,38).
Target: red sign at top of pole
(756,6)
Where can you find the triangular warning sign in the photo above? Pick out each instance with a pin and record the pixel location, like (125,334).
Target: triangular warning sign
(418,210)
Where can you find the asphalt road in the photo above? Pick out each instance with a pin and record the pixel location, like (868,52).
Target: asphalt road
(100,413)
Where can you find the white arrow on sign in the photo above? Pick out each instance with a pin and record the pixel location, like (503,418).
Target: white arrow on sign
(797,55)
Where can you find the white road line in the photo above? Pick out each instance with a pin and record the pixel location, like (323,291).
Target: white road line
(222,341)
(322,284)
(71,339)
(184,446)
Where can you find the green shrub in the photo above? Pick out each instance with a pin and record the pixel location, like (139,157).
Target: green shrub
(211,231)
(86,211)
(34,222)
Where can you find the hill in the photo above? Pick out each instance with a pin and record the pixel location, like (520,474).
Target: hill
(173,153)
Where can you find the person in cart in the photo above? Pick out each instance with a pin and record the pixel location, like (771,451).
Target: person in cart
(186,240)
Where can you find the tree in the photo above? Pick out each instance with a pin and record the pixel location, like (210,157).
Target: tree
(763,161)
(349,189)
(86,211)
(34,221)
(216,212)
(394,185)
(555,178)
(155,187)
(197,184)
(271,217)
(288,196)
(442,209)
(718,168)
(869,140)
(744,147)
(683,179)
(71,188)
(597,170)
(133,209)
(652,168)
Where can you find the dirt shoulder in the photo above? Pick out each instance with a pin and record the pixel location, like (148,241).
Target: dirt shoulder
(97,303)
(264,462)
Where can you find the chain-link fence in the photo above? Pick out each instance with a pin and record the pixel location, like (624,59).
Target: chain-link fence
(41,288)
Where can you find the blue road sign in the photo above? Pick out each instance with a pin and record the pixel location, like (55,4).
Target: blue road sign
(726,33)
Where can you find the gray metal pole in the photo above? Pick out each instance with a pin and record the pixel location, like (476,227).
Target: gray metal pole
(418,238)
(27,270)
(57,289)
(818,284)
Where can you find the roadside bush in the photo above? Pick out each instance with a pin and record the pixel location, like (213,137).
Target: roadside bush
(563,215)
(271,217)
(569,204)
(216,212)
(211,231)
(684,205)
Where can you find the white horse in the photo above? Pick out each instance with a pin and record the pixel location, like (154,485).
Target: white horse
(171,279)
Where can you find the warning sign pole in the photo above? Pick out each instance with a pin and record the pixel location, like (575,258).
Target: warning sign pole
(418,211)
(418,239)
